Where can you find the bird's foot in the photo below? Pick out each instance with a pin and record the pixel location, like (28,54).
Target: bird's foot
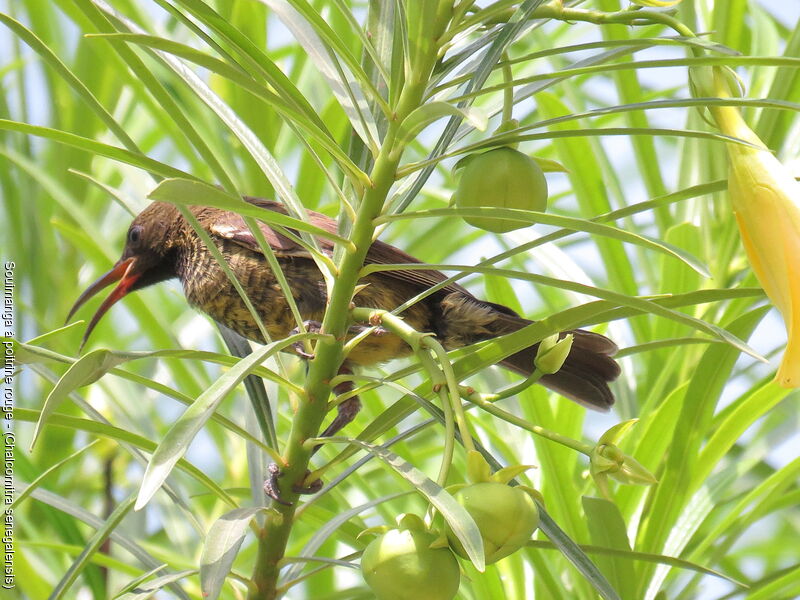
(375,330)
(299,347)
(316,327)
(345,413)
(272,489)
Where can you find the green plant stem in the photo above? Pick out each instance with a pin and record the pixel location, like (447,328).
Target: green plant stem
(515,389)
(422,342)
(621,17)
(328,358)
(441,375)
(453,389)
(449,424)
(508,91)
(479,400)
(555,10)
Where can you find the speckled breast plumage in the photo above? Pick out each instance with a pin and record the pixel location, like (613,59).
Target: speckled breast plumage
(209,289)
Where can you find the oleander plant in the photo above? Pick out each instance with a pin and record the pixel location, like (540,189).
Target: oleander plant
(626,167)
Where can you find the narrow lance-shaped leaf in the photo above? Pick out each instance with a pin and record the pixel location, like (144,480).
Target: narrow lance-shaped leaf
(188,192)
(339,77)
(86,370)
(180,435)
(532,217)
(430,112)
(222,543)
(459,519)
(285,107)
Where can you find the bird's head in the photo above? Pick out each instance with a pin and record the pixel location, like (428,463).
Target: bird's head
(149,257)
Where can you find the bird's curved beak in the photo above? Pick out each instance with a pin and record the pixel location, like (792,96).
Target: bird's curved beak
(121,272)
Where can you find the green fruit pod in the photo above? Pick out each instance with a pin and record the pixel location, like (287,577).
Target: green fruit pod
(505,516)
(501,178)
(401,565)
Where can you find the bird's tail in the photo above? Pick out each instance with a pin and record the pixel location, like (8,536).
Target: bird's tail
(585,374)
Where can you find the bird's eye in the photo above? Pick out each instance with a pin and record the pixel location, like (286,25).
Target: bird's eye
(134,235)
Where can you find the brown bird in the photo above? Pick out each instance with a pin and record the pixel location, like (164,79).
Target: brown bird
(161,245)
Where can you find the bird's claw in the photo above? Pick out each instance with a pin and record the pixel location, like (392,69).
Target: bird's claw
(316,327)
(299,347)
(300,350)
(375,330)
(272,489)
(311,488)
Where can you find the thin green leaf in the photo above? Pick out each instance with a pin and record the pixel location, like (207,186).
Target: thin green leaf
(284,107)
(177,439)
(607,530)
(532,217)
(646,557)
(188,192)
(575,555)
(33,485)
(126,437)
(504,139)
(457,517)
(82,143)
(222,543)
(640,304)
(669,497)
(145,591)
(100,535)
(88,369)
(134,583)
(339,79)
(432,111)
(750,408)
(50,58)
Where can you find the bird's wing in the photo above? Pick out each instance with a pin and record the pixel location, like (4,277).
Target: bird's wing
(381,253)
(231,226)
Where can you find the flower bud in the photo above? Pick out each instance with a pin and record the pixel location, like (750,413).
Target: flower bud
(501,178)
(632,472)
(401,564)
(505,516)
(552,353)
(607,460)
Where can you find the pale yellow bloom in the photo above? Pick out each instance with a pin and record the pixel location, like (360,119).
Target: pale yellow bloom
(766,202)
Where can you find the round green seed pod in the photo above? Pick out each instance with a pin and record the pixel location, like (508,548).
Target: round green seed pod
(401,565)
(505,516)
(501,178)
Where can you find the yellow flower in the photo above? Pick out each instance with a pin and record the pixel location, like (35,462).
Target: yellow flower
(766,202)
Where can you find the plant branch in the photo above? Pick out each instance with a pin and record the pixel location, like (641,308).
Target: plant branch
(486,403)
(329,353)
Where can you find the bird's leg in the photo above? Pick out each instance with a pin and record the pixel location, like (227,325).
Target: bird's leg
(346,411)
